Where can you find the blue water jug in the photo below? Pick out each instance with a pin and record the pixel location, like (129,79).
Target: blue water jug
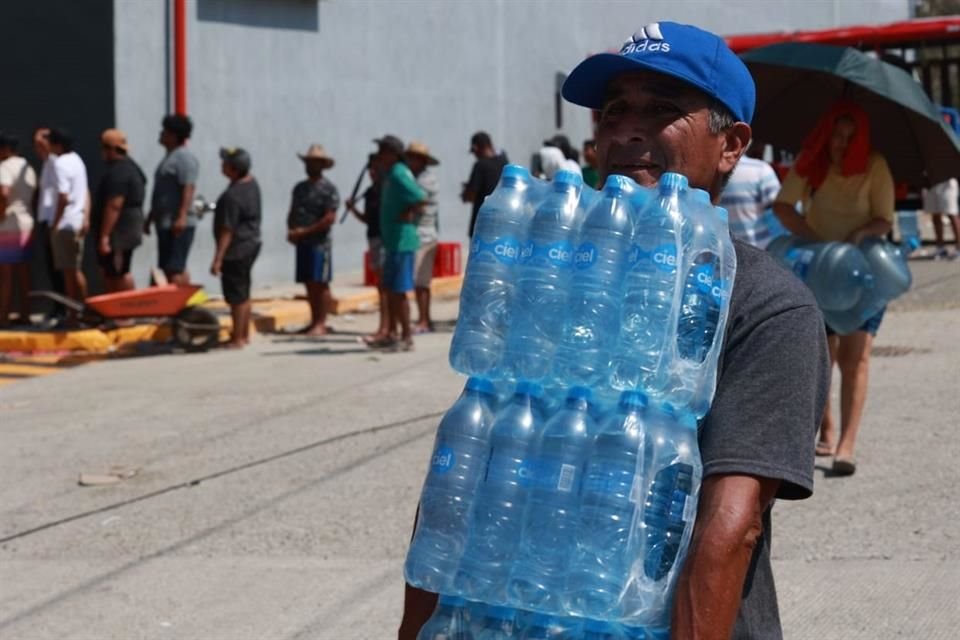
(592,322)
(543,281)
(649,290)
(609,503)
(496,521)
(486,296)
(549,532)
(457,466)
(836,272)
(448,622)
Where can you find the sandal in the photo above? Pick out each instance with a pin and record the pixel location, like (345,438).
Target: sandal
(844,466)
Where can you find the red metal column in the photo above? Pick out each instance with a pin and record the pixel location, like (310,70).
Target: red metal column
(180,56)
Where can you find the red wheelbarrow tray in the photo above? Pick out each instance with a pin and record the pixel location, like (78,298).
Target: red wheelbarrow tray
(166,300)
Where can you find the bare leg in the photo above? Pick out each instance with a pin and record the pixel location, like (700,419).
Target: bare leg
(853,356)
(828,432)
(6,293)
(937,229)
(402,314)
(955,223)
(240,335)
(181,279)
(22,272)
(423,308)
(318,293)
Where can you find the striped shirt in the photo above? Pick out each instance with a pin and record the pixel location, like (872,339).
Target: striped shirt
(748,198)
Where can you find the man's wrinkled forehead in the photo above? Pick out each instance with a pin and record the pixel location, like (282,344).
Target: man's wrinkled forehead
(651,83)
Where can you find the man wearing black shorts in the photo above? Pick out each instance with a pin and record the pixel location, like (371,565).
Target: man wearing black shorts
(236,230)
(119,213)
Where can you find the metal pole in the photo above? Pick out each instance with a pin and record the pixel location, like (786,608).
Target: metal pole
(180,56)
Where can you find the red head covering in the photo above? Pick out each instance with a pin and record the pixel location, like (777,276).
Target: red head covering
(813,162)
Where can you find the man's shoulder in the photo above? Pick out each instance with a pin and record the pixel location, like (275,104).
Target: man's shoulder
(762,287)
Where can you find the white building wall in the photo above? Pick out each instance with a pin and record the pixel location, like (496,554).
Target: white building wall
(275,75)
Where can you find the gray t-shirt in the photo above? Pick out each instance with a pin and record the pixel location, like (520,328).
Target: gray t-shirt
(177,169)
(772,385)
(428,226)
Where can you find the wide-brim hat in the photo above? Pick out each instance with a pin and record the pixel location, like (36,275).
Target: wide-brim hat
(422,150)
(316,152)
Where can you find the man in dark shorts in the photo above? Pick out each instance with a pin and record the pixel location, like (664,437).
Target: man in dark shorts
(236,230)
(370,216)
(484,175)
(171,206)
(118,219)
(677,99)
(313,211)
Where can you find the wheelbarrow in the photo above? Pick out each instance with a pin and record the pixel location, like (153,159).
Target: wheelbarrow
(194,328)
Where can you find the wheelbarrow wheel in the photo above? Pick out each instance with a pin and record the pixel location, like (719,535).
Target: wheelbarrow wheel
(196,329)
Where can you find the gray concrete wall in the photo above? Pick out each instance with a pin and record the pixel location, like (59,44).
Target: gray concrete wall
(275,75)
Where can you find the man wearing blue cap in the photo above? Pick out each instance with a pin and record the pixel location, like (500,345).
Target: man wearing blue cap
(677,99)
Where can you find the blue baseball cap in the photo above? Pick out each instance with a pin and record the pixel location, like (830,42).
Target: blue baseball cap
(688,53)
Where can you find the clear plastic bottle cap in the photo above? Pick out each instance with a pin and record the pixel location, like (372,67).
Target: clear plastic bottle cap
(475,383)
(673,182)
(633,399)
(515,171)
(564,179)
(617,184)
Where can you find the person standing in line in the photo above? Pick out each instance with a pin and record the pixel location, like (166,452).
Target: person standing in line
(401,202)
(72,216)
(484,175)
(591,177)
(119,211)
(18,185)
(46,208)
(418,158)
(236,231)
(571,159)
(748,197)
(940,201)
(370,216)
(313,212)
(171,206)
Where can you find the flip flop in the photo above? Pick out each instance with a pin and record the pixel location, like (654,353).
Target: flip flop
(844,466)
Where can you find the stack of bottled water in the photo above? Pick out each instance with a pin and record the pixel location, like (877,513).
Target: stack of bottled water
(850,283)
(565,505)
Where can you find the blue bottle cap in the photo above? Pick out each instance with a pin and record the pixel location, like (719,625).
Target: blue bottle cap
(636,399)
(723,214)
(667,408)
(452,601)
(579,393)
(670,182)
(529,389)
(475,383)
(616,185)
(565,179)
(500,613)
(701,196)
(515,171)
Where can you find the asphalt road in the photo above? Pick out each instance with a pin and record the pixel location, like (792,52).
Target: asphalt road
(275,490)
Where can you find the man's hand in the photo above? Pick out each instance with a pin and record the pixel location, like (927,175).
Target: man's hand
(294,235)
(103,247)
(216,267)
(179,225)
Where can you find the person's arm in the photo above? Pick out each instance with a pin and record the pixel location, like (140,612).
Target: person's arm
(186,201)
(729,525)
(87,206)
(791,192)
(4,198)
(471,188)
(882,196)
(62,201)
(224,238)
(324,223)
(359,215)
(111,213)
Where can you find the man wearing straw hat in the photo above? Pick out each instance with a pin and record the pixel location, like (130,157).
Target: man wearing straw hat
(418,158)
(313,211)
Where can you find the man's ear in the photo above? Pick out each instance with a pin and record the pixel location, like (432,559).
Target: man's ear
(735,141)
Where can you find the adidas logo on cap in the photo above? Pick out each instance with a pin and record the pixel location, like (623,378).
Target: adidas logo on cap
(648,38)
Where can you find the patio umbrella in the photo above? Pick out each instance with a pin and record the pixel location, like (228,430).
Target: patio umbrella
(798,82)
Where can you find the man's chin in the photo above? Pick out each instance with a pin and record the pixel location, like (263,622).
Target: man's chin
(647,177)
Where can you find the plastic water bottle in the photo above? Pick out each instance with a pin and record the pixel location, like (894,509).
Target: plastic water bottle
(457,466)
(593,313)
(609,499)
(909,228)
(836,272)
(702,294)
(496,522)
(499,623)
(649,290)
(448,622)
(549,532)
(541,627)
(487,293)
(542,282)
(601,630)
(671,488)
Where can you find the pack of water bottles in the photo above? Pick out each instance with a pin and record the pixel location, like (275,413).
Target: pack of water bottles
(564,481)
(850,283)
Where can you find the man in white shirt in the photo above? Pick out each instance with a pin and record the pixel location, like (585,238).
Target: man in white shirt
(46,201)
(72,214)
(18,182)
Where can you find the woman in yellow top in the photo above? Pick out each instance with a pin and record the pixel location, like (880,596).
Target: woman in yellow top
(846,191)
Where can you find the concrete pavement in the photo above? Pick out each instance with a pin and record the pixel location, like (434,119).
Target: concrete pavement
(277,485)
